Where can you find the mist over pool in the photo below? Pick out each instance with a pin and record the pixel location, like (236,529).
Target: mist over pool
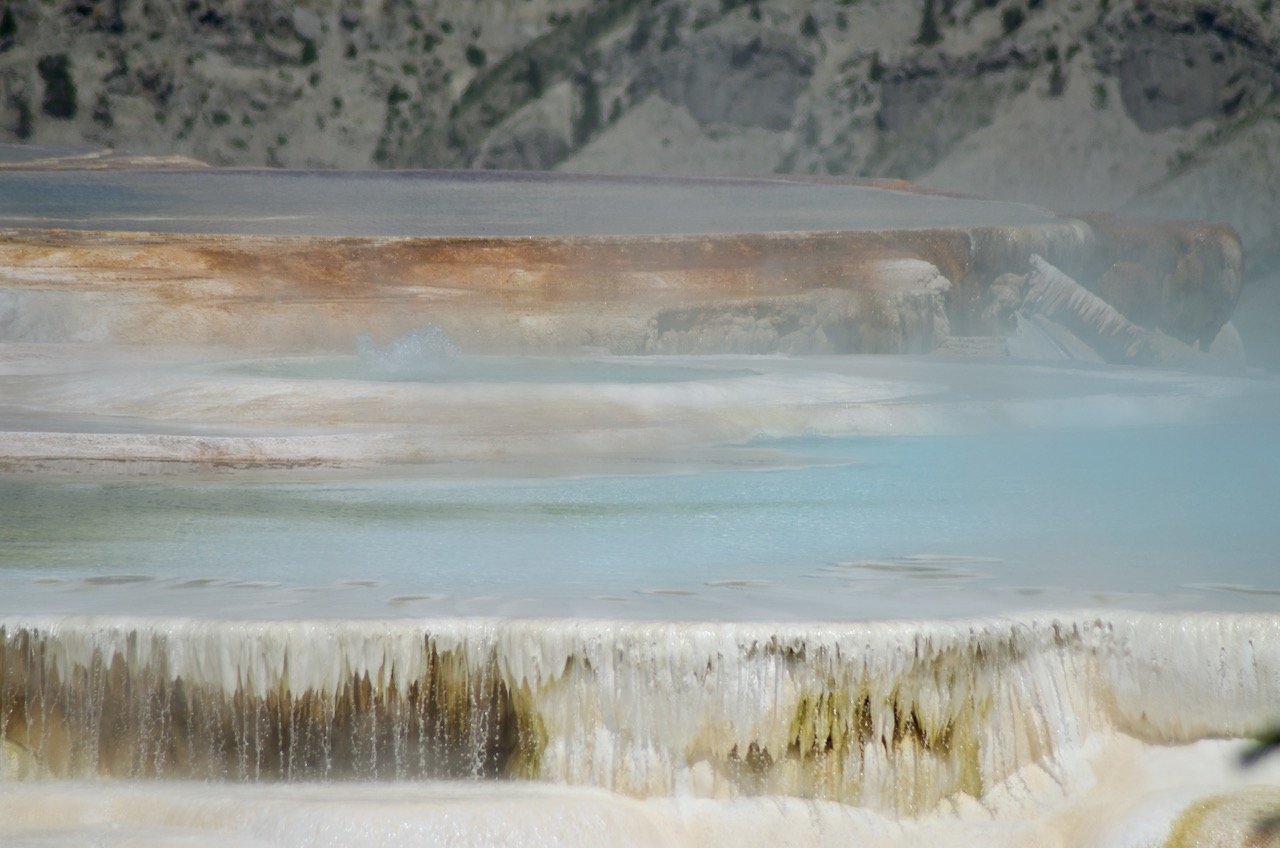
(543,537)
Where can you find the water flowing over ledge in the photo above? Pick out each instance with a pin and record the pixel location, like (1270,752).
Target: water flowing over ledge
(888,715)
(257,590)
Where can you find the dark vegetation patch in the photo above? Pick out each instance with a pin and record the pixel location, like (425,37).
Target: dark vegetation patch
(59,89)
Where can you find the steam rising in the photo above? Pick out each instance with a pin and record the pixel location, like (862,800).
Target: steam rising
(421,352)
(691,579)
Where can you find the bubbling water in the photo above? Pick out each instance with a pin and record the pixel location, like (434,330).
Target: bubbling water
(424,351)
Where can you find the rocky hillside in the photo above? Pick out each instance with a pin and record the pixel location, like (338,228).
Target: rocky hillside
(1166,108)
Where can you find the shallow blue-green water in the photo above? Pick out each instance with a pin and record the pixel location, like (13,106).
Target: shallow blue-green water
(1166,517)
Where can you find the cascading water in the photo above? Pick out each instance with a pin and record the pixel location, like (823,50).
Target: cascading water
(257,591)
(889,716)
(892,717)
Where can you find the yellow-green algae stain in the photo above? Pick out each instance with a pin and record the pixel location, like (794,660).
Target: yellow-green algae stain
(16,762)
(530,734)
(834,729)
(1248,818)
(903,742)
(455,716)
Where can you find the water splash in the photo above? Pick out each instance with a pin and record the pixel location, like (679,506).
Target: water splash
(420,352)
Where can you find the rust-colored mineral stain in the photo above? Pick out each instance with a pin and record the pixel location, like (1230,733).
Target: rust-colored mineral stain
(909,267)
(572,268)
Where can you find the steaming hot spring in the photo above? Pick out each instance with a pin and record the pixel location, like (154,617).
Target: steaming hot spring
(380,509)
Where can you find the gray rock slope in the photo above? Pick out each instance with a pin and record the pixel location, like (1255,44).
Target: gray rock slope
(1164,108)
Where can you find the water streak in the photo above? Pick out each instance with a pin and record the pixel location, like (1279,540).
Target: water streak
(890,715)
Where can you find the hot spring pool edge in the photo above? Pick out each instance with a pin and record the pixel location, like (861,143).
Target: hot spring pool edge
(891,715)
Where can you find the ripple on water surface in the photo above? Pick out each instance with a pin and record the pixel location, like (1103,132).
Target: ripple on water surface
(1176,517)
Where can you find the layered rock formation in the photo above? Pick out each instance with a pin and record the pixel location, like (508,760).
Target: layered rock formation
(1167,108)
(164,254)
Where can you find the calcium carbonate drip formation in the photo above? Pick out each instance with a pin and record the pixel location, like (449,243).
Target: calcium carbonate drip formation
(888,715)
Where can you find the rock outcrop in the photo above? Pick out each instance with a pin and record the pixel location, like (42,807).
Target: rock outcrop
(1177,66)
(1181,279)
(1153,106)
(1087,318)
(750,79)
(520,262)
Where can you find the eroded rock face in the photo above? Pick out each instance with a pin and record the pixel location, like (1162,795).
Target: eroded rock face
(908,91)
(1128,310)
(745,80)
(534,139)
(1177,66)
(1090,319)
(905,96)
(823,322)
(898,307)
(528,262)
(1003,296)
(1181,279)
